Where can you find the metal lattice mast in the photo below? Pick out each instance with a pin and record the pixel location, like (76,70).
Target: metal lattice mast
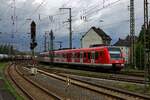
(146,44)
(132,32)
(70,26)
(45,42)
(51,52)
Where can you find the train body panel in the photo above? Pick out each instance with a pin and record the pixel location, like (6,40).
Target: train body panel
(104,57)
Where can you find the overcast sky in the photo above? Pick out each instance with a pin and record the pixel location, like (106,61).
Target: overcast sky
(110,15)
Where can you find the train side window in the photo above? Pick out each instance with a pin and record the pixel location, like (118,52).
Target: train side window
(75,55)
(64,55)
(80,55)
(60,55)
(67,55)
(89,55)
(93,55)
(101,53)
(96,55)
(71,55)
(84,55)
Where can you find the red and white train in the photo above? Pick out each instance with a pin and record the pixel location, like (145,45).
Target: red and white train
(105,57)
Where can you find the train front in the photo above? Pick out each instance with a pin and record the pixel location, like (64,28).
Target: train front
(116,58)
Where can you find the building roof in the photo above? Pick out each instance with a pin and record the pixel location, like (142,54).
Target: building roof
(100,32)
(124,42)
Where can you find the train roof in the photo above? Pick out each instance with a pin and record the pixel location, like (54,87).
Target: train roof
(80,49)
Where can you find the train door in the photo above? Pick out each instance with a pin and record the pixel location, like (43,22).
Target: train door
(69,56)
(73,57)
(63,57)
(92,57)
(89,57)
(96,57)
(81,57)
(101,57)
(84,57)
(77,57)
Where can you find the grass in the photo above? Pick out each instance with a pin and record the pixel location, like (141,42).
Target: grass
(133,88)
(8,86)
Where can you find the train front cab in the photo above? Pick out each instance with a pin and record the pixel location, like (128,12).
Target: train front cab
(115,58)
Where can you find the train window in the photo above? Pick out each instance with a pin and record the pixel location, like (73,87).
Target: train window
(89,55)
(69,55)
(63,55)
(75,55)
(60,55)
(84,55)
(96,55)
(80,55)
(101,53)
(115,53)
(93,55)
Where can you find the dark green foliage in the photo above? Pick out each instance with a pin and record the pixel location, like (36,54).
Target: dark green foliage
(139,55)
(141,36)
(139,50)
(6,49)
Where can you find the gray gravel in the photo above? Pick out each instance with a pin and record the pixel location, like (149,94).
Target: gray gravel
(73,92)
(100,81)
(61,88)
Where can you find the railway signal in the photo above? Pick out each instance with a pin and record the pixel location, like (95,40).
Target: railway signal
(33,44)
(51,53)
(33,30)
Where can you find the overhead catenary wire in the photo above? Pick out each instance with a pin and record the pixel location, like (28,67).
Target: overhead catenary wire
(35,11)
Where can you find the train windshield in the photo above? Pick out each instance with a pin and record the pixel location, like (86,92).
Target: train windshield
(115,53)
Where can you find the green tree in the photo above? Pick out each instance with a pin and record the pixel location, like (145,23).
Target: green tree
(139,50)
(1,47)
(139,56)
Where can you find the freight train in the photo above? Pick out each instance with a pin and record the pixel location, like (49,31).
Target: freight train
(105,57)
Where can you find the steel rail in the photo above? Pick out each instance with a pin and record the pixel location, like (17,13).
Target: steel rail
(33,83)
(84,84)
(56,97)
(18,85)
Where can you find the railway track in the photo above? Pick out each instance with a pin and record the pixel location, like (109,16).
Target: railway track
(109,76)
(127,78)
(132,73)
(30,89)
(110,92)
